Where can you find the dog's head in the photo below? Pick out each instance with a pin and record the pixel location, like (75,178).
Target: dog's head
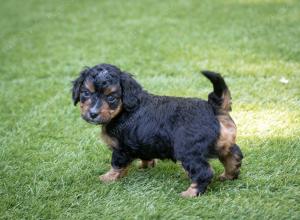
(104,91)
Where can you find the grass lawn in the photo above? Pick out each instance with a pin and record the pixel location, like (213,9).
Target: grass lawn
(50,159)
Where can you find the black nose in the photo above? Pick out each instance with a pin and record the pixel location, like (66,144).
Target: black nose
(93,115)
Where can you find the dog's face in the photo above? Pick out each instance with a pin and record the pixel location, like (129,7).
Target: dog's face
(104,92)
(100,101)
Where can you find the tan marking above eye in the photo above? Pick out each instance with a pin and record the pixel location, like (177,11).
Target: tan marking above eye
(89,85)
(110,90)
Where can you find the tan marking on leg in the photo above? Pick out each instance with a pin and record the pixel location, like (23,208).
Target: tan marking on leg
(144,164)
(192,191)
(227,134)
(224,144)
(232,164)
(113,174)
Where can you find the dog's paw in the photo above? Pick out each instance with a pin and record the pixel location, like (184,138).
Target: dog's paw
(191,192)
(113,175)
(107,177)
(225,176)
(144,164)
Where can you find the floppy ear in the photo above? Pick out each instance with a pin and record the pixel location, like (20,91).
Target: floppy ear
(130,91)
(77,85)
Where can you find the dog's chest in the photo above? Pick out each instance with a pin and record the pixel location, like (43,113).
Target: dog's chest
(111,142)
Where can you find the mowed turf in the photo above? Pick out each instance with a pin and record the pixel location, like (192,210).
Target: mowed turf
(50,159)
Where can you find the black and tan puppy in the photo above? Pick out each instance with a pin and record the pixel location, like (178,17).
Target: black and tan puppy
(137,124)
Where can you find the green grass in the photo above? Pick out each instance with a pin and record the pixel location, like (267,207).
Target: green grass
(50,159)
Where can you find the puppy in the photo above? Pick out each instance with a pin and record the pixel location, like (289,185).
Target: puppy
(137,124)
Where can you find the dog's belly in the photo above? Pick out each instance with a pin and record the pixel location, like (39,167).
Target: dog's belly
(153,151)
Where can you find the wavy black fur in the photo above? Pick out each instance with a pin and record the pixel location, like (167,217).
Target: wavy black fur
(150,126)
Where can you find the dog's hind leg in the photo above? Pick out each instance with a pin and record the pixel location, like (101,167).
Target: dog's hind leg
(232,162)
(191,148)
(200,172)
(229,153)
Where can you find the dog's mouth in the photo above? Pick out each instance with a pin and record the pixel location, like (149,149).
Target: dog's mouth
(95,121)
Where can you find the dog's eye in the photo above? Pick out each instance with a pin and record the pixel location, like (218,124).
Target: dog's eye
(111,99)
(85,93)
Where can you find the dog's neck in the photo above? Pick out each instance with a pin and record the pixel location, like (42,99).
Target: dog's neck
(125,118)
(117,126)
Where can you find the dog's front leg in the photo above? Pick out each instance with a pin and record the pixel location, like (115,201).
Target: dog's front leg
(119,166)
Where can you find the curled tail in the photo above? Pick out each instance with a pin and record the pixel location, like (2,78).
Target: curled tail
(220,98)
